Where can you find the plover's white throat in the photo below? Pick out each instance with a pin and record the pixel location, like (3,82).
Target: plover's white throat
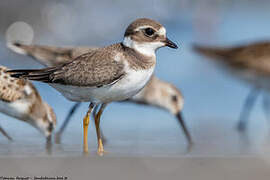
(156,93)
(20,99)
(250,62)
(112,73)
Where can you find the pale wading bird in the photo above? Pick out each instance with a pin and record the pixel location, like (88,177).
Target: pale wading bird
(113,73)
(249,62)
(156,93)
(20,99)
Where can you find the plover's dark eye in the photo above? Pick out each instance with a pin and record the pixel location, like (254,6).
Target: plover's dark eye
(149,31)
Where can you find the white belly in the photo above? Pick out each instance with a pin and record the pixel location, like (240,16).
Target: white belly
(17,109)
(125,88)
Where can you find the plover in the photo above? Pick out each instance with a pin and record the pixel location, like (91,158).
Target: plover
(20,99)
(157,92)
(113,73)
(249,62)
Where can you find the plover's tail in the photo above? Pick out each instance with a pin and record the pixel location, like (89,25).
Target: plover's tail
(46,55)
(43,75)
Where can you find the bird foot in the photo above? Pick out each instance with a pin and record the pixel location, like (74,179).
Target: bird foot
(101,152)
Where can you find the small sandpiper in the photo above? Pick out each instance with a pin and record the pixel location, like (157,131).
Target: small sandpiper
(113,73)
(249,62)
(20,99)
(157,92)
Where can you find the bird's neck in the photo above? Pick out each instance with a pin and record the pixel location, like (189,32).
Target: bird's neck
(136,59)
(146,49)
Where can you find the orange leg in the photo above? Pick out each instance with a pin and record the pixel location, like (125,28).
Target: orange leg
(85,128)
(99,137)
(94,113)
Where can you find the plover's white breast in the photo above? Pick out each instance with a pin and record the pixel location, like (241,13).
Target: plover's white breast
(130,84)
(18,109)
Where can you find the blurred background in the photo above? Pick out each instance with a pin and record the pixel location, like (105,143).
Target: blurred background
(213,98)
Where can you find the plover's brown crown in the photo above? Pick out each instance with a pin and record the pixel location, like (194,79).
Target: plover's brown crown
(142,22)
(253,57)
(22,101)
(138,29)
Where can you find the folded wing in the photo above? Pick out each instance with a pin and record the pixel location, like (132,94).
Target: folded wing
(95,68)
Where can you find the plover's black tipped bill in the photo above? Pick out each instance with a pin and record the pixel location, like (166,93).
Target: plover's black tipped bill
(170,44)
(184,127)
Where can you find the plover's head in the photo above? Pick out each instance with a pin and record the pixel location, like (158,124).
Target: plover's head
(46,121)
(146,36)
(171,98)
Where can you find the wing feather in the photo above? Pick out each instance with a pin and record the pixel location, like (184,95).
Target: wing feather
(95,68)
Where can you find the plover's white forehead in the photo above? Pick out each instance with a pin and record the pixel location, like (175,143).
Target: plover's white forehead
(142,27)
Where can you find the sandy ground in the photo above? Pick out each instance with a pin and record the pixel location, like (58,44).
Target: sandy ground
(187,168)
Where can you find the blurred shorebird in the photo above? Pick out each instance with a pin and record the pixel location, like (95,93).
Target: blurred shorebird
(20,99)
(156,93)
(249,62)
(113,73)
